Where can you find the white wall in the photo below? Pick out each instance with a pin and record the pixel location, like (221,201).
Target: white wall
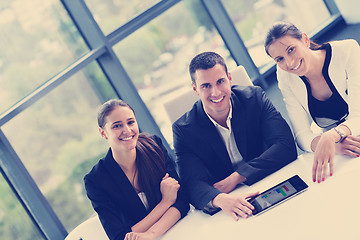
(350,10)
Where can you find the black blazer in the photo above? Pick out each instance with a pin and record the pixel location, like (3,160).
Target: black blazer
(116,201)
(263,138)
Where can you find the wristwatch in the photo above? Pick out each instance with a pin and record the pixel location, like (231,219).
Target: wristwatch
(341,132)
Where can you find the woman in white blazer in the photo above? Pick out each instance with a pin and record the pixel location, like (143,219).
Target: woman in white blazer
(319,83)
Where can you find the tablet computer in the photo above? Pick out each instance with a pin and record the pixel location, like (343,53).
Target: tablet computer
(278,194)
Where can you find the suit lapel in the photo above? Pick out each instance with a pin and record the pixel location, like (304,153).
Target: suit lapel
(238,124)
(298,87)
(126,190)
(209,132)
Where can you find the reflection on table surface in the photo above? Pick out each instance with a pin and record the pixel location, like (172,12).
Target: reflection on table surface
(326,210)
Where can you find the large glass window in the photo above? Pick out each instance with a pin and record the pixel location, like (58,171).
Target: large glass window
(110,14)
(15,224)
(57,137)
(37,40)
(252,19)
(157,57)
(58,141)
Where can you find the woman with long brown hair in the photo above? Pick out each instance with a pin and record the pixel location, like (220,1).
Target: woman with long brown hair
(321,82)
(135,188)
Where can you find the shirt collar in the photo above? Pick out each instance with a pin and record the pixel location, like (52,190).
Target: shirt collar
(227,119)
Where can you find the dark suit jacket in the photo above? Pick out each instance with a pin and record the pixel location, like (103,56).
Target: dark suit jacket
(263,138)
(116,201)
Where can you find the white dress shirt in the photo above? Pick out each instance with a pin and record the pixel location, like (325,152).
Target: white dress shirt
(228,137)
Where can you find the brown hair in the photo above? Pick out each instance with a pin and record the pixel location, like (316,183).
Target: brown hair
(281,29)
(150,162)
(150,159)
(108,107)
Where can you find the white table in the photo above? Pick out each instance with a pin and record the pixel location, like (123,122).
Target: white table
(91,229)
(329,210)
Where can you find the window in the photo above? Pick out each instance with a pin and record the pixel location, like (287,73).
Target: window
(37,41)
(56,137)
(14,221)
(58,141)
(157,56)
(252,19)
(111,14)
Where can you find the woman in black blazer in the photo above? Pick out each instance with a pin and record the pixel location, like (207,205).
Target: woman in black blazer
(135,188)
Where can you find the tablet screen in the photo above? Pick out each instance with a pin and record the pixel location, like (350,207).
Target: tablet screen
(277,194)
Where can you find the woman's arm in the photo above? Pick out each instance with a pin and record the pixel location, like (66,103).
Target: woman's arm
(325,147)
(350,56)
(347,55)
(168,187)
(168,220)
(297,112)
(333,135)
(182,202)
(170,217)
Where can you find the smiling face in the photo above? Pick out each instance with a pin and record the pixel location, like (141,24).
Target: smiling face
(214,88)
(291,54)
(121,129)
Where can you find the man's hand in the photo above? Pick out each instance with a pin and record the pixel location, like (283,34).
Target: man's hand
(235,205)
(228,184)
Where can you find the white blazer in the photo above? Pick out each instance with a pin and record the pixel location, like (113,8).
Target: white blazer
(344,72)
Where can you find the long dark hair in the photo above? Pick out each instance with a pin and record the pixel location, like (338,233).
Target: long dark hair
(281,29)
(150,163)
(150,159)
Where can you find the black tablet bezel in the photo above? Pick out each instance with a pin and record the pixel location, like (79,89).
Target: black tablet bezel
(295,181)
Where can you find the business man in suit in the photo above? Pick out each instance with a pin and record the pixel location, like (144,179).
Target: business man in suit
(232,135)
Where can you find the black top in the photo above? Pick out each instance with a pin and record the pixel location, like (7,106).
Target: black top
(116,201)
(333,110)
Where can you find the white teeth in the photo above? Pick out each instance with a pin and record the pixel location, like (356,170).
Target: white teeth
(216,101)
(297,67)
(126,139)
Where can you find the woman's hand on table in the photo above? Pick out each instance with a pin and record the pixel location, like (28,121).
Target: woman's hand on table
(324,157)
(139,236)
(350,146)
(325,150)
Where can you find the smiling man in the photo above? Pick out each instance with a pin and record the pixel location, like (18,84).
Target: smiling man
(232,135)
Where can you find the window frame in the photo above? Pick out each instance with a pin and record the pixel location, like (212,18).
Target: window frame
(100,50)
